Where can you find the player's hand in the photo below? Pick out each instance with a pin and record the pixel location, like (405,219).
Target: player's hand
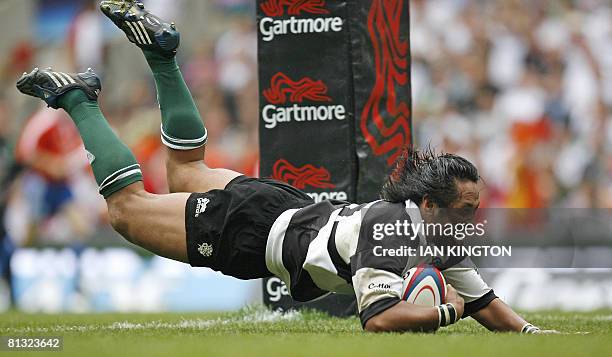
(453,298)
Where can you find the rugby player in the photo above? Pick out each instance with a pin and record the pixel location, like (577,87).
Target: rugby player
(255,228)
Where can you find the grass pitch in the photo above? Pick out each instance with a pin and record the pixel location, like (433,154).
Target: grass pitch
(259,332)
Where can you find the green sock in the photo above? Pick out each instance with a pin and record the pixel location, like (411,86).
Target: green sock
(182,127)
(113,164)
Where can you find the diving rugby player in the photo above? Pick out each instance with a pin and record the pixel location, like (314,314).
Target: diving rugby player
(255,228)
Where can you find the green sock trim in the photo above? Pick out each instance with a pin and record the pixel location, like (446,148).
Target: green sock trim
(117,186)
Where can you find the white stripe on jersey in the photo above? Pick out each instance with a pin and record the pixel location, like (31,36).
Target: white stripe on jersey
(57,83)
(304,246)
(415,216)
(467,282)
(319,264)
(346,231)
(325,263)
(274,247)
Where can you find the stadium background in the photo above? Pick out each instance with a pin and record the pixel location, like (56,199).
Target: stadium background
(521,88)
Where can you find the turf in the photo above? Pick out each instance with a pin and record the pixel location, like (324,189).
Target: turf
(259,332)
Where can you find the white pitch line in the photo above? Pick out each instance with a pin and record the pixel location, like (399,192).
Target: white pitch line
(254,316)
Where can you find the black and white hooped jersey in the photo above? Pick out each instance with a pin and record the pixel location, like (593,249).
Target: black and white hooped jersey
(334,246)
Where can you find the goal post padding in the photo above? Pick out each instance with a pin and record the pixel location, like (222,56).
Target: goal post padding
(334,104)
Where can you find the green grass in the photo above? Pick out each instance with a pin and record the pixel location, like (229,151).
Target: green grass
(258,332)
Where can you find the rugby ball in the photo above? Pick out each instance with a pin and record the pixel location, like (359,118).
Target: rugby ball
(424,285)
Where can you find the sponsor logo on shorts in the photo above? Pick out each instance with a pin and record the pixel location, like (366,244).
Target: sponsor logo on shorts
(201,206)
(205,249)
(283,90)
(270,27)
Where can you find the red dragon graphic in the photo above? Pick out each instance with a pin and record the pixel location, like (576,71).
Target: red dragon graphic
(294,7)
(392,64)
(300,177)
(306,88)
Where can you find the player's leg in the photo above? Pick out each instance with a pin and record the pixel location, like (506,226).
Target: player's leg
(182,124)
(154,222)
(182,129)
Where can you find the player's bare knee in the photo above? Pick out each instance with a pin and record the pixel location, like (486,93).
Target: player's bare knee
(118,216)
(181,176)
(176,179)
(120,211)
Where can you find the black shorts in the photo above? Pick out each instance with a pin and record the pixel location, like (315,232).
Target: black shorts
(227,230)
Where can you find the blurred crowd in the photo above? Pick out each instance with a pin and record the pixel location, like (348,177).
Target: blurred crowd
(522,88)
(48,195)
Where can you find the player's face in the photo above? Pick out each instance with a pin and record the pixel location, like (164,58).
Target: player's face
(464,208)
(469,196)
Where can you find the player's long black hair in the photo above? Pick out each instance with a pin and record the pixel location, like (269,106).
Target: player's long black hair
(417,174)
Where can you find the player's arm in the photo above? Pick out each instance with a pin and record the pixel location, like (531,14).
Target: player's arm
(378,283)
(483,305)
(497,316)
(404,316)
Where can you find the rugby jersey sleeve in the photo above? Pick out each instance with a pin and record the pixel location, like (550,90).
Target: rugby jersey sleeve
(376,290)
(471,287)
(376,272)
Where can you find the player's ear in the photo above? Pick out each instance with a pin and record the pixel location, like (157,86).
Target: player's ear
(427,206)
